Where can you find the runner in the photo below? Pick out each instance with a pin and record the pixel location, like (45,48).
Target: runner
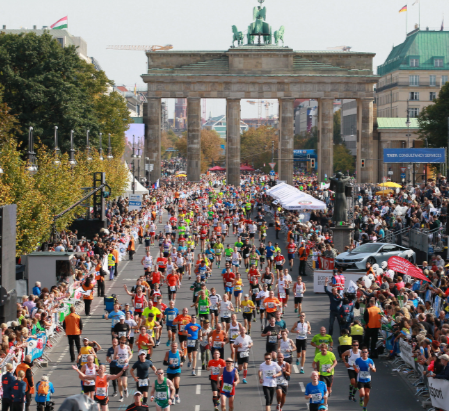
(217,340)
(204,344)
(113,369)
(234,330)
(89,369)
(248,307)
(363,366)
(286,347)
(260,298)
(202,305)
(325,362)
(145,341)
(291,250)
(225,309)
(123,354)
(299,289)
(170,313)
(316,392)
(214,367)
(162,392)
(229,377)
(238,290)
(173,283)
(269,371)
(193,332)
(214,299)
(174,359)
(349,358)
(147,260)
(302,329)
(273,334)
(142,367)
(243,344)
(101,384)
(320,338)
(282,380)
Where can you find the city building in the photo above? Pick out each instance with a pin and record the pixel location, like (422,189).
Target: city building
(272,121)
(306,116)
(348,125)
(413,73)
(219,125)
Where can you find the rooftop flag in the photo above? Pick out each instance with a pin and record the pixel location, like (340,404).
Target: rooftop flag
(403,9)
(61,24)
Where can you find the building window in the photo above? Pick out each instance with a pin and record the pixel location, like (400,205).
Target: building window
(414,80)
(414,95)
(414,62)
(432,80)
(438,62)
(414,112)
(61,41)
(432,95)
(444,79)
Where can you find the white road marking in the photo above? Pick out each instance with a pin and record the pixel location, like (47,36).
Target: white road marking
(198,389)
(199,372)
(197,408)
(295,367)
(301,385)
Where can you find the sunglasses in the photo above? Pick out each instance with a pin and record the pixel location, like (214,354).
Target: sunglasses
(267,359)
(365,352)
(160,373)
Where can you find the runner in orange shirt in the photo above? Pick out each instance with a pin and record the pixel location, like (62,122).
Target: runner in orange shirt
(217,340)
(173,284)
(271,304)
(214,366)
(181,321)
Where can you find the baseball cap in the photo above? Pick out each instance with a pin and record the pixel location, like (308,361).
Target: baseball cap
(444,357)
(142,352)
(122,317)
(246,295)
(85,339)
(137,393)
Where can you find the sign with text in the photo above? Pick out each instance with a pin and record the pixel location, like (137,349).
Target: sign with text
(439,393)
(326,263)
(135,202)
(414,155)
(319,276)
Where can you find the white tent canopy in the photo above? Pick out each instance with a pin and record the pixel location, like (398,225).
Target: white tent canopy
(139,188)
(291,198)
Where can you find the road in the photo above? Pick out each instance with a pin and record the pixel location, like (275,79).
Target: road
(388,391)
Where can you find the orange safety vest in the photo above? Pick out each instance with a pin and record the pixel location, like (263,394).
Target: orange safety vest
(374,317)
(91,295)
(131,245)
(302,254)
(24,367)
(72,324)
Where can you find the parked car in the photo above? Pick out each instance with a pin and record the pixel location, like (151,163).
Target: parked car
(372,253)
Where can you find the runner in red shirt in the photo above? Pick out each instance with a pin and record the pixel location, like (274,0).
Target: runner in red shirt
(228,279)
(161,263)
(173,284)
(291,250)
(279,261)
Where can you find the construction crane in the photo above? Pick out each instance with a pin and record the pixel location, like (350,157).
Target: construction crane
(259,109)
(141,48)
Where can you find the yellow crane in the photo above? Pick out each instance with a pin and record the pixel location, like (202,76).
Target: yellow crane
(141,48)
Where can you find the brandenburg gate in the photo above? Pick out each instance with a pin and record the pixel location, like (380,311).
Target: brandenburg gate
(262,69)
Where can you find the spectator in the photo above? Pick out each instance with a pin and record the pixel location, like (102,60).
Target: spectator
(44,390)
(37,289)
(73,327)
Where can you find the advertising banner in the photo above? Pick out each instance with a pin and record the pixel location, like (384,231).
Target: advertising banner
(326,263)
(35,347)
(135,202)
(320,275)
(406,353)
(439,393)
(414,155)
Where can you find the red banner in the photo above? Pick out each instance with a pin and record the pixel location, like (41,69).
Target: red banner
(326,263)
(401,265)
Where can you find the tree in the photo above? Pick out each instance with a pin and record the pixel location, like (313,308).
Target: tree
(256,146)
(337,127)
(46,85)
(433,120)
(343,159)
(210,147)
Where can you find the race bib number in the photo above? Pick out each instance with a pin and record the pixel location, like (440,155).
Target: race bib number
(246,255)
(229,284)
(271,305)
(215,370)
(365,375)
(281,295)
(268,281)
(84,357)
(101,392)
(121,334)
(227,387)
(316,398)
(244,354)
(228,258)
(191,343)
(218,344)
(269,374)
(272,339)
(326,367)
(181,327)
(247,309)
(238,288)
(213,307)
(122,361)
(226,314)
(234,336)
(170,317)
(143,383)
(174,362)
(203,308)
(162,396)
(173,288)
(281,380)
(138,306)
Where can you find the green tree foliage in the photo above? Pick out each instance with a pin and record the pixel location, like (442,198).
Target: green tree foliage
(343,159)
(433,123)
(256,147)
(46,85)
(306,141)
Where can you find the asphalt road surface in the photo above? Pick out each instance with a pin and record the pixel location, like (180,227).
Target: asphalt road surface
(389,392)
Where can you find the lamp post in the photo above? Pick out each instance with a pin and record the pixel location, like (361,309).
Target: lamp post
(133,156)
(109,156)
(138,159)
(100,150)
(31,155)
(89,156)
(147,169)
(72,160)
(57,150)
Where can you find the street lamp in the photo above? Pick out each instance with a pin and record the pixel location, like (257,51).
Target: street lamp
(31,161)
(407,123)
(89,156)
(109,156)
(57,150)
(100,150)
(72,160)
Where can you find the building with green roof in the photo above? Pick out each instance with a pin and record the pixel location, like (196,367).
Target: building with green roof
(413,74)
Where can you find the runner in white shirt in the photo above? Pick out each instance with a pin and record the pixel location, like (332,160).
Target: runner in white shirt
(225,309)
(214,299)
(243,344)
(288,284)
(261,295)
(299,289)
(268,373)
(302,328)
(147,262)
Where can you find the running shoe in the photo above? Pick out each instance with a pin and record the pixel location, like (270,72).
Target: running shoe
(167,343)
(189,364)
(244,381)
(203,367)
(178,399)
(114,394)
(278,407)
(296,310)
(354,399)
(297,362)
(126,393)
(215,408)
(254,320)
(361,402)
(121,398)
(364,409)
(157,343)
(193,372)
(350,397)
(302,371)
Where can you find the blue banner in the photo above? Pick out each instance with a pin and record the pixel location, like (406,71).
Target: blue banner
(35,347)
(414,155)
(304,155)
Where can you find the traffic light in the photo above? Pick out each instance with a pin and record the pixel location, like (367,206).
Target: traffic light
(363,163)
(312,163)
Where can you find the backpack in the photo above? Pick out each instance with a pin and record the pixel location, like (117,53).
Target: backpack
(44,387)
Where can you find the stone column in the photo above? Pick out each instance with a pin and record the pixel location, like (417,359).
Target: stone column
(365,142)
(326,139)
(286,139)
(193,139)
(153,137)
(233,142)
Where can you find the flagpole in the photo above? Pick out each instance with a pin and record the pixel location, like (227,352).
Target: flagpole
(419,15)
(406,20)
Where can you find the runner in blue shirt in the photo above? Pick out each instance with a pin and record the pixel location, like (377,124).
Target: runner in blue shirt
(114,315)
(270,254)
(316,392)
(171,313)
(363,366)
(193,333)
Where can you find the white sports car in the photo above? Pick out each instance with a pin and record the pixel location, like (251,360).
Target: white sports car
(372,253)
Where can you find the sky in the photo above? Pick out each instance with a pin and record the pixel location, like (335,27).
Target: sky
(371,26)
